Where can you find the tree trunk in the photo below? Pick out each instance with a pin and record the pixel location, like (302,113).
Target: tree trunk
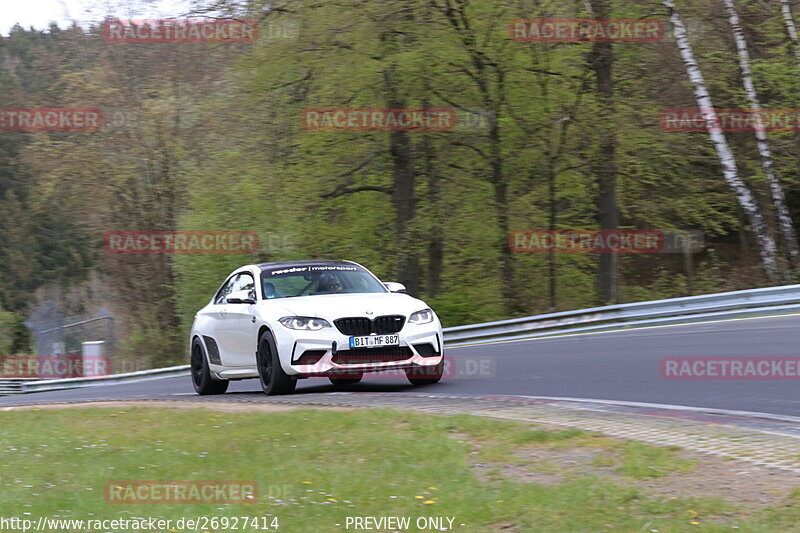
(605,167)
(791,29)
(776,191)
(436,241)
(402,192)
(794,50)
(433,284)
(403,178)
(489,78)
(730,172)
(688,265)
(552,266)
(501,202)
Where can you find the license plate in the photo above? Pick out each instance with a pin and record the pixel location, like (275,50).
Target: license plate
(374,341)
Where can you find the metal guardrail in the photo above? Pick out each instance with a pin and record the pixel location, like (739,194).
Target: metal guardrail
(19,386)
(12,386)
(754,302)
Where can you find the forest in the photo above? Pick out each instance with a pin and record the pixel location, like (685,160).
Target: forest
(549,134)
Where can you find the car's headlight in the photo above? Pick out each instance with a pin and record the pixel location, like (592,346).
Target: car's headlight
(304,322)
(421,317)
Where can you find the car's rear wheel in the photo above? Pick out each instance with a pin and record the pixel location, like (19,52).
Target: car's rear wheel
(425,375)
(204,383)
(346,379)
(273,379)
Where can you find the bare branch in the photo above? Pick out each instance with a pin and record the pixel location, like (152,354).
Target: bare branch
(341,191)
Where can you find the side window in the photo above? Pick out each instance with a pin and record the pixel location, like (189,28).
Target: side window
(238,282)
(225,290)
(245,282)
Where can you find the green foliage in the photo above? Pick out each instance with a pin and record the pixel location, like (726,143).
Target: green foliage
(6,332)
(209,137)
(15,338)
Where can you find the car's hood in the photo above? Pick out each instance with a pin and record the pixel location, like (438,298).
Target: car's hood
(333,306)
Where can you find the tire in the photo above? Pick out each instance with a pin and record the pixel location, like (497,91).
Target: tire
(346,379)
(204,383)
(425,375)
(273,379)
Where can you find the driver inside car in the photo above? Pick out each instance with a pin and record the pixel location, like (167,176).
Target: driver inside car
(268,289)
(329,284)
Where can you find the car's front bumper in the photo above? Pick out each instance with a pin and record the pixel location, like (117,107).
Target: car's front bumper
(420,346)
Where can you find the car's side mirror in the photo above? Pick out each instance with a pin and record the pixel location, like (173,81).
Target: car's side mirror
(395,287)
(241,297)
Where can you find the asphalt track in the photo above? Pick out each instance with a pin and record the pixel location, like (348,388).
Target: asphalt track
(620,366)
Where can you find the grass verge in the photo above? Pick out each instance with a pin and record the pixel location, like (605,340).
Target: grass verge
(316,468)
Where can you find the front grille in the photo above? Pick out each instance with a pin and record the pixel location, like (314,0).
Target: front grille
(372,355)
(382,325)
(388,324)
(354,326)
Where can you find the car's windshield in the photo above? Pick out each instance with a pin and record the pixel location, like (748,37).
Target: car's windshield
(311,280)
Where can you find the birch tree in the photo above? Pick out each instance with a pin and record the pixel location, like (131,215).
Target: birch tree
(791,29)
(730,171)
(776,191)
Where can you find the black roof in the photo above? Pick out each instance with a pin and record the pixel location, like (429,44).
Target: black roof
(315,262)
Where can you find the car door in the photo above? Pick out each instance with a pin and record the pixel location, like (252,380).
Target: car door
(237,333)
(215,315)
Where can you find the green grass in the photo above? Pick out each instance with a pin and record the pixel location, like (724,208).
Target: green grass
(314,468)
(639,461)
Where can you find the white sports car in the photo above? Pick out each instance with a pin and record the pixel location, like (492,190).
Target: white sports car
(280,322)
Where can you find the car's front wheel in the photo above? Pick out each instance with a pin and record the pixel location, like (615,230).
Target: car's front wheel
(204,383)
(425,375)
(270,373)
